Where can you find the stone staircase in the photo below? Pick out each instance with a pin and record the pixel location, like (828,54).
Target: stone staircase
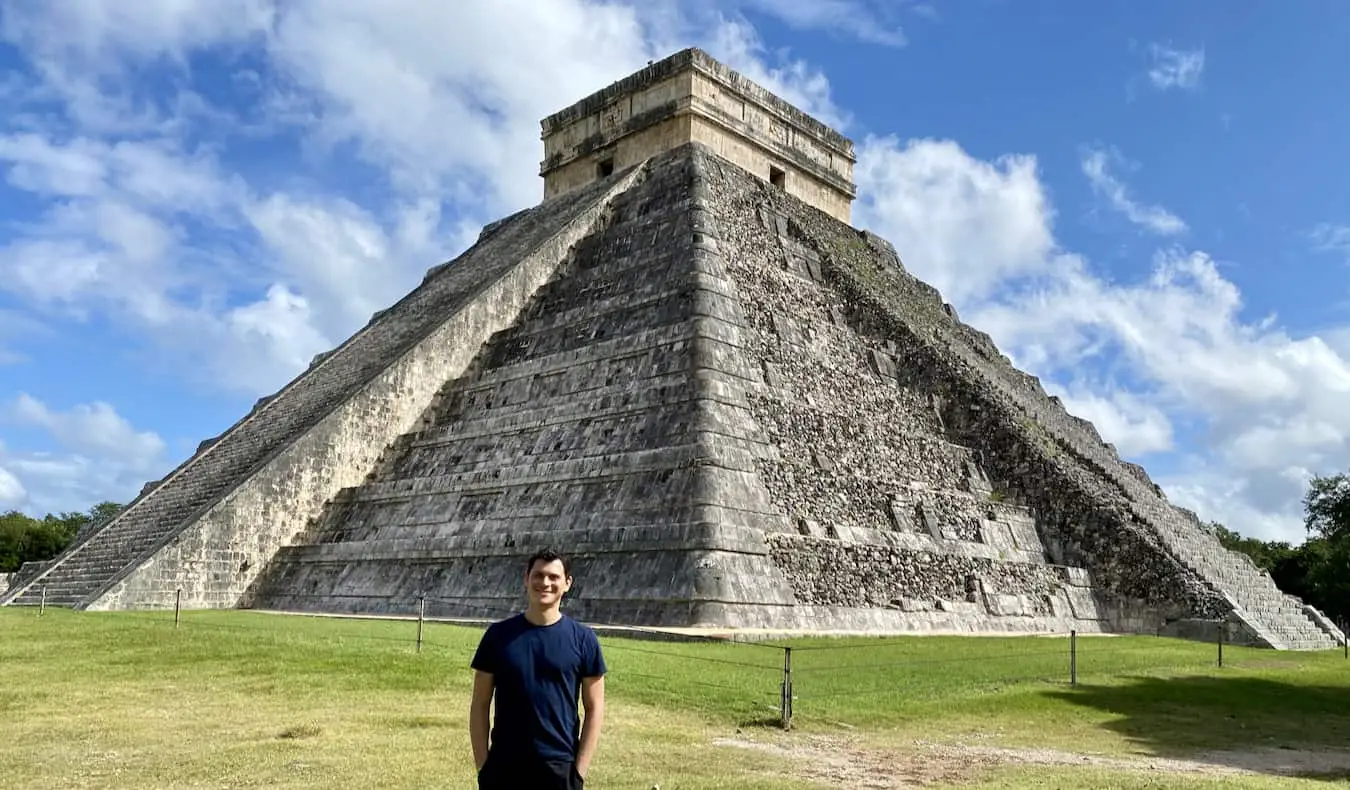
(84,569)
(1275,616)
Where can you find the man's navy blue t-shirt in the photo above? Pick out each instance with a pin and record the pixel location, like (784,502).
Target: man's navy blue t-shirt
(537,672)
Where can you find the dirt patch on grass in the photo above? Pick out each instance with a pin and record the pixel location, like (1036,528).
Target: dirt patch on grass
(300,731)
(841,761)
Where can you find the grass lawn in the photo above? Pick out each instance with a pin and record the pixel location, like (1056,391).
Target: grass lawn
(246,699)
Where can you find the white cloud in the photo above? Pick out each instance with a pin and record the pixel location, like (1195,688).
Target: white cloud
(1152,218)
(1136,426)
(874,22)
(961,224)
(88,428)
(441,94)
(248,282)
(99,456)
(1175,68)
(36,165)
(12,493)
(1333,238)
(85,53)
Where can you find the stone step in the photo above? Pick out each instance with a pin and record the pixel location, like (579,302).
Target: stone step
(594,469)
(583,310)
(630,397)
(665,345)
(514,346)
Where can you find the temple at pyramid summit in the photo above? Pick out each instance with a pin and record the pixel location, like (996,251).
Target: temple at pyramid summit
(685,369)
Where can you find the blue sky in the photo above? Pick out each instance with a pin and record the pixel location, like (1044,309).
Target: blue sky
(1142,202)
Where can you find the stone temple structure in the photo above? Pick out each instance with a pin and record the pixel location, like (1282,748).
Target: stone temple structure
(688,371)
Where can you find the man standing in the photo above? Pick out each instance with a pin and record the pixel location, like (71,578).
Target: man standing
(536,664)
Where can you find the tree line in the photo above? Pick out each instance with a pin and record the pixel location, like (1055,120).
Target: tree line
(1318,571)
(27,539)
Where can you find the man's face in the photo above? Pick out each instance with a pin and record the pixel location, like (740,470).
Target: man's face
(546,582)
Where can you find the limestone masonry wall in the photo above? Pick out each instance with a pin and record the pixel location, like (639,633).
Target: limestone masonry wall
(803,177)
(836,573)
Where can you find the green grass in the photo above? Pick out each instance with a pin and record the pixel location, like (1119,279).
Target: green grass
(243,699)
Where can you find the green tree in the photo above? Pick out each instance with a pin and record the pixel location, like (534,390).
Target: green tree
(27,539)
(1266,555)
(1326,509)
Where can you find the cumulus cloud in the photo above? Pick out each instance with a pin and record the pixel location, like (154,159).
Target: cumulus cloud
(97,455)
(12,493)
(1137,426)
(1175,68)
(249,277)
(962,224)
(1155,219)
(90,428)
(874,22)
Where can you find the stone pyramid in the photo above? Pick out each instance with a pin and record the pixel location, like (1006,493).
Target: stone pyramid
(685,369)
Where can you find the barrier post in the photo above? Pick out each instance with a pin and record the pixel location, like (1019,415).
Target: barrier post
(1073,657)
(421,616)
(786,704)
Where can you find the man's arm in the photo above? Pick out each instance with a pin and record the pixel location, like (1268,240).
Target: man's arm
(593,700)
(480,712)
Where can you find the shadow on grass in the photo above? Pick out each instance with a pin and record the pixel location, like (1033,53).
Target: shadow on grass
(761,722)
(1252,723)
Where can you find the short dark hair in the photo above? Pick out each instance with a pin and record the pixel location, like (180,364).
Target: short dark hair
(546,556)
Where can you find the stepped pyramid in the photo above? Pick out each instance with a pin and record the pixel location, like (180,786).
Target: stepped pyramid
(685,369)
